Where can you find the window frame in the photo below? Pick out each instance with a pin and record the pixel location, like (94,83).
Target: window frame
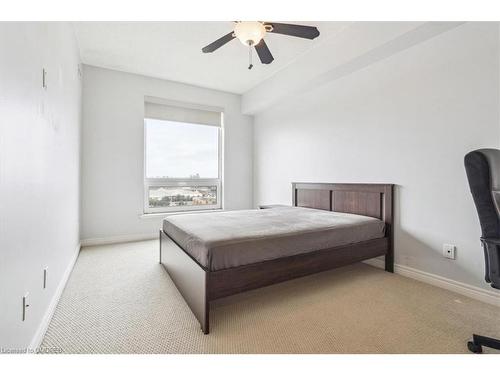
(185,182)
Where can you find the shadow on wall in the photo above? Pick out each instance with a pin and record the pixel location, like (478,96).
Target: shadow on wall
(414,252)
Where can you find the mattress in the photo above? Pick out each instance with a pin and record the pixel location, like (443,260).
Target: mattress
(221,240)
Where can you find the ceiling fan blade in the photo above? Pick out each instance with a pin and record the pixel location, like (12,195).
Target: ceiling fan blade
(218,43)
(300,31)
(265,55)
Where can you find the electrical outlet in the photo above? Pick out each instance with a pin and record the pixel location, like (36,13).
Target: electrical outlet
(449,251)
(25,306)
(45,275)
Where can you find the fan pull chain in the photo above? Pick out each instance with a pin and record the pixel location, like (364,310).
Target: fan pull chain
(250,65)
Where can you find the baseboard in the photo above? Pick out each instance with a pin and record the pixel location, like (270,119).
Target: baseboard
(42,328)
(492,297)
(119,239)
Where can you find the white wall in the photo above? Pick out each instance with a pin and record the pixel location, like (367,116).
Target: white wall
(408,120)
(39,171)
(113,153)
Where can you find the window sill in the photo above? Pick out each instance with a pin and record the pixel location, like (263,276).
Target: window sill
(156,215)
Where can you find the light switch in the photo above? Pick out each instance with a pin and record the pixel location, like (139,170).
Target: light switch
(45,275)
(25,305)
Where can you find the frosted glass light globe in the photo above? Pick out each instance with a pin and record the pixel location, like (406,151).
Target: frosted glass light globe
(249,32)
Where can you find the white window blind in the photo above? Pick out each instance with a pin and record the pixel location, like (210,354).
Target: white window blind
(181,114)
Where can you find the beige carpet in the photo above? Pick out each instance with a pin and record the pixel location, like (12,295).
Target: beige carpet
(120,300)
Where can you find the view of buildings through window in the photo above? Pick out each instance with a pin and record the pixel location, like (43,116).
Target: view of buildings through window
(168,196)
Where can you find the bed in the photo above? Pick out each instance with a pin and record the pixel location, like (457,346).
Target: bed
(214,255)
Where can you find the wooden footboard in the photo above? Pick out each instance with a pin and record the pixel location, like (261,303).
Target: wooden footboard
(188,276)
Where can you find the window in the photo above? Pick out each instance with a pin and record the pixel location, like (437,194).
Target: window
(182,168)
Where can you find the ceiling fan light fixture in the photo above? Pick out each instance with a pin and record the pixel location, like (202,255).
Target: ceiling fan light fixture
(252,33)
(249,33)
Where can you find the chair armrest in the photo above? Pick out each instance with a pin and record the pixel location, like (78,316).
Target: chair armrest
(493,241)
(491,247)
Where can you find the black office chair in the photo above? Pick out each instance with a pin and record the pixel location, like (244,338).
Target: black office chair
(483,172)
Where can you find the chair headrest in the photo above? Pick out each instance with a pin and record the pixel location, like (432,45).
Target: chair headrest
(483,172)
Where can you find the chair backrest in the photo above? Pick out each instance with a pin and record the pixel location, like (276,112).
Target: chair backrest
(483,172)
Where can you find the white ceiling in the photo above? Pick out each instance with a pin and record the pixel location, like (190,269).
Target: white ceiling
(172,51)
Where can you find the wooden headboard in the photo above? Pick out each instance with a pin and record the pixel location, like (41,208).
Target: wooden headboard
(374,200)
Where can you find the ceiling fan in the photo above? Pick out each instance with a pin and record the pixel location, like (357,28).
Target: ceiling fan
(251,34)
